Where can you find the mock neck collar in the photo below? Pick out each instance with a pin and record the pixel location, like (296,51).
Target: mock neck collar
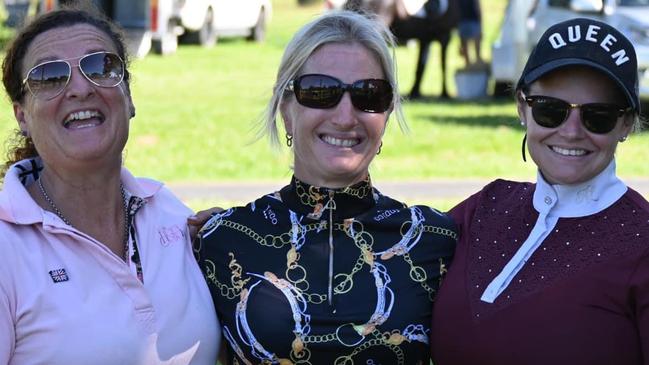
(344,202)
(581,199)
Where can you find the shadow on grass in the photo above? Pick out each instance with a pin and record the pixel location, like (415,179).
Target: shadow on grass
(494,121)
(427,99)
(476,119)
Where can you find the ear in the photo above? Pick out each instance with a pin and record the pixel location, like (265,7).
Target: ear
(520,107)
(126,90)
(627,126)
(19,114)
(131,107)
(286,116)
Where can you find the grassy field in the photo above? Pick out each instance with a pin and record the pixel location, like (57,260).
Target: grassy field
(196,114)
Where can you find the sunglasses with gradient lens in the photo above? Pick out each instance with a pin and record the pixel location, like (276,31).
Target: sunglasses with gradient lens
(324,92)
(48,79)
(599,118)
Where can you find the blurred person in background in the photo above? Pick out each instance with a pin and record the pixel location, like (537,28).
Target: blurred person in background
(557,272)
(328,270)
(96,265)
(470,31)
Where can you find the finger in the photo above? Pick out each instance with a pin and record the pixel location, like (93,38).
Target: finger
(201,217)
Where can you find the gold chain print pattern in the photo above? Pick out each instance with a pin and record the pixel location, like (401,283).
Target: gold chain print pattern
(274,260)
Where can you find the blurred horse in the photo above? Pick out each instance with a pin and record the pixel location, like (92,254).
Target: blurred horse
(434,22)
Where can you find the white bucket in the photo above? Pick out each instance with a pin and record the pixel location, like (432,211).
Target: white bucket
(471,84)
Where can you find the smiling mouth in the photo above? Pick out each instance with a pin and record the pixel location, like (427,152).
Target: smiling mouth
(83,119)
(569,151)
(340,142)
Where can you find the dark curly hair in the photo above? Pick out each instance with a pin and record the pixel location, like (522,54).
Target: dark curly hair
(20,147)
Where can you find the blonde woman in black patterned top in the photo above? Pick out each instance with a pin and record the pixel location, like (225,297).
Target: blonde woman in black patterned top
(328,270)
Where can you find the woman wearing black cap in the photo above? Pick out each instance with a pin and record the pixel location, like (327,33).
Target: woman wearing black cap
(557,272)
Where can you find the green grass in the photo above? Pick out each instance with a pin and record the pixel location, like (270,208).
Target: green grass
(196,111)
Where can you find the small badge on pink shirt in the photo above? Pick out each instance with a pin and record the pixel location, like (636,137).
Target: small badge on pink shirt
(59,275)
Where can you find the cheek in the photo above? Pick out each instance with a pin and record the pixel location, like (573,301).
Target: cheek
(535,137)
(305,120)
(35,112)
(376,125)
(608,142)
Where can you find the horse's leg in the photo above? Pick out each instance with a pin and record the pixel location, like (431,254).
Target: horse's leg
(424,49)
(443,41)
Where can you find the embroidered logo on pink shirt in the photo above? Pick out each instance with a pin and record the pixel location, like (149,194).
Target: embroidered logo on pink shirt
(59,275)
(169,235)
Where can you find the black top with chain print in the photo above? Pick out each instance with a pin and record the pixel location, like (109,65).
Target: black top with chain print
(311,275)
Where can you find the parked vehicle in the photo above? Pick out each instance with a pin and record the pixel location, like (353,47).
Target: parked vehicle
(526,20)
(159,25)
(203,21)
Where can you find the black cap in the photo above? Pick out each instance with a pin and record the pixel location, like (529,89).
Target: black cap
(586,42)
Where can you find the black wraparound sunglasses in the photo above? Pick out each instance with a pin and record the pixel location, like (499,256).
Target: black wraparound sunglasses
(323,92)
(48,79)
(550,112)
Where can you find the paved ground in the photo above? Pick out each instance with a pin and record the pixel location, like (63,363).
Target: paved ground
(410,191)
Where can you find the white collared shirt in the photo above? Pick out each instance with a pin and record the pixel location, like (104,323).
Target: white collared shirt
(554,202)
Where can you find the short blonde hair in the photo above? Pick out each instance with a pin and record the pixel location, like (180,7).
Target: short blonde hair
(333,27)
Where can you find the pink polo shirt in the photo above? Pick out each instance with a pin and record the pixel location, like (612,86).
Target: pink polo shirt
(66,299)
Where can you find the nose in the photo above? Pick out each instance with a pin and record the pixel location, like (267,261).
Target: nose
(345,112)
(78,85)
(572,127)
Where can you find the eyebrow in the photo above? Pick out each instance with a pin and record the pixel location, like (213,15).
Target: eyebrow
(55,58)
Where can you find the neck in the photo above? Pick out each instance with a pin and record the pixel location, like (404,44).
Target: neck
(93,203)
(81,190)
(333,182)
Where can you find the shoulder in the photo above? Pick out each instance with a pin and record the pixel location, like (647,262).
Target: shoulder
(155,193)
(158,197)
(638,200)
(13,234)
(267,209)
(389,206)
(22,249)
(493,195)
(432,215)
(507,188)
(400,212)
(500,190)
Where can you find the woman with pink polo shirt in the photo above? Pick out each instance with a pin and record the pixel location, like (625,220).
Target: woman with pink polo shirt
(96,265)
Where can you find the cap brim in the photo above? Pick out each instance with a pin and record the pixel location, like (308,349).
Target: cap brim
(556,64)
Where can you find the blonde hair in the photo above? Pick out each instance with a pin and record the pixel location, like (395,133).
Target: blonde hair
(333,27)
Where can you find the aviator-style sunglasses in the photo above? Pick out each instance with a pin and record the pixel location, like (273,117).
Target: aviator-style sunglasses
(599,118)
(48,79)
(322,92)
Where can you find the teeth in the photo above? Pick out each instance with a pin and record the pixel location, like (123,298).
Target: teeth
(81,115)
(568,152)
(84,125)
(340,142)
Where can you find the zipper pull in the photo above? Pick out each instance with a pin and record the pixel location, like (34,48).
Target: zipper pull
(331,205)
